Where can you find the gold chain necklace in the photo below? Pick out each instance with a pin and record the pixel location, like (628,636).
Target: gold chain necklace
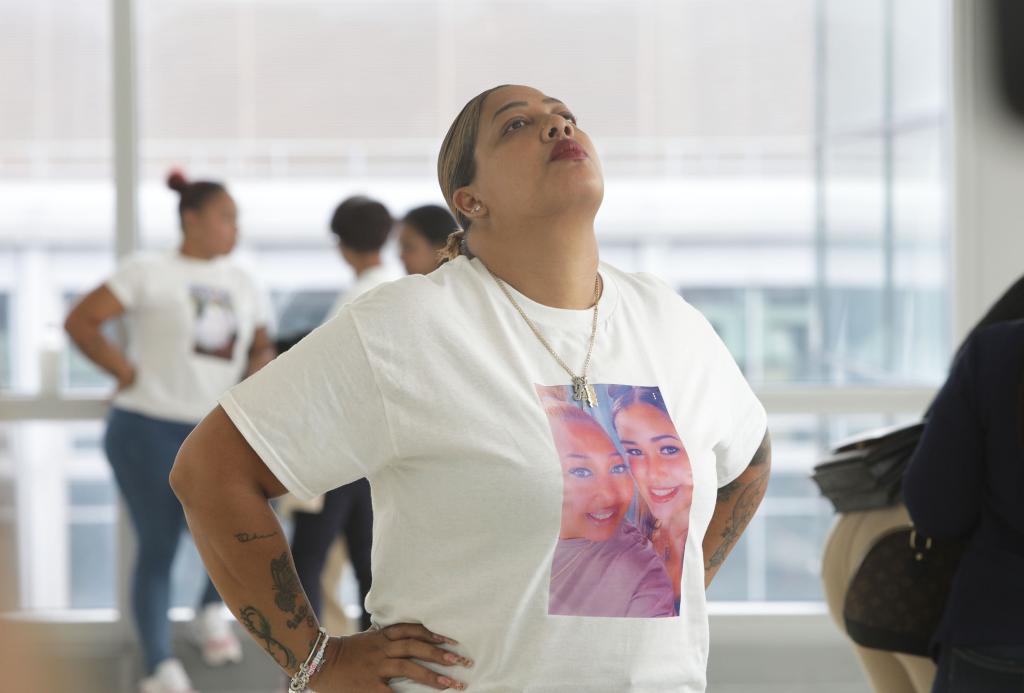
(582,390)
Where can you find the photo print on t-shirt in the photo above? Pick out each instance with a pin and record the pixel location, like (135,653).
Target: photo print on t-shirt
(627,492)
(216,327)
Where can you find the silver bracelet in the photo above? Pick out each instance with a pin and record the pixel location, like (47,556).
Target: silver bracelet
(307,669)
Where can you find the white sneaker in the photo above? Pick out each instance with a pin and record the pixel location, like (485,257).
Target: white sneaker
(212,634)
(169,677)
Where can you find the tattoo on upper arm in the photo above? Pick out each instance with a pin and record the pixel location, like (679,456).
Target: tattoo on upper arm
(747,495)
(259,625)
(763,454)
(246,537)
(729,490)
(288,592)
(750,494)
(764,451)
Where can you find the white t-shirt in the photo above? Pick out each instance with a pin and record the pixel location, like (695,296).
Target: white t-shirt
(369,279)
(499,503)
(190,326)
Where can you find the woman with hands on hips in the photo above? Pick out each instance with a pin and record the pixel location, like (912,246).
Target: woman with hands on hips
(197,324)
(428,387)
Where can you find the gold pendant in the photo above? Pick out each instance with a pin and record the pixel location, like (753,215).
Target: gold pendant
(582,391)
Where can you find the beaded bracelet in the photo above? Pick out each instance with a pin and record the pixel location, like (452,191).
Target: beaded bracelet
(307,669)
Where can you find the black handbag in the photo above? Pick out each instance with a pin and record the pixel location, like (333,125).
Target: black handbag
(897,596)
(865,473)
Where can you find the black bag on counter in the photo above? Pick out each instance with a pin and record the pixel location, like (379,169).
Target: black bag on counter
(865,472)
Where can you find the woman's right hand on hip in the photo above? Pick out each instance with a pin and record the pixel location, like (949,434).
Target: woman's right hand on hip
(366,661)
(125,378)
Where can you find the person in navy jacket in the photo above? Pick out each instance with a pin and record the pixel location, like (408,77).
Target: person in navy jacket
(966,481)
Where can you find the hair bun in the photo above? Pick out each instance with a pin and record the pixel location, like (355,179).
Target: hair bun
(176,180)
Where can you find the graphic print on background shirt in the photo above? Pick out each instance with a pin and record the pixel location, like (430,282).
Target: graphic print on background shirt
(628,487)
(216,326)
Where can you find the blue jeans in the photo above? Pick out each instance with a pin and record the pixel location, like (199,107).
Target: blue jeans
(980,670)
(141,451)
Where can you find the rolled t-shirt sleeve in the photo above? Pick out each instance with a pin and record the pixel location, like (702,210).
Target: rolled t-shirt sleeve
(315,415)
(743,420)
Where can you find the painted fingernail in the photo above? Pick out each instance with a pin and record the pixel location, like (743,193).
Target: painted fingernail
(450,658)
(437,638)
(467,662)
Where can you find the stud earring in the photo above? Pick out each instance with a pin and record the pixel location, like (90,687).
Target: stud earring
(476,208)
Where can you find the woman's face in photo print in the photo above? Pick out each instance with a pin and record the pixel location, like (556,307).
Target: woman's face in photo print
(627,489)
(657,458)
(597,486)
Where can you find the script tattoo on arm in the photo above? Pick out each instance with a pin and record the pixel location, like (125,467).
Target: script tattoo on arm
(246,537)
(288,593)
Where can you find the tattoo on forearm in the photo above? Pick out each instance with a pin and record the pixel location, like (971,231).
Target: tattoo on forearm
(301,614)
(749,498)
(245,537)
(288,593)
(286,582)
(258,624)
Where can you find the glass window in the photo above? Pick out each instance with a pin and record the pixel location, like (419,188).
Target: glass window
(920,58)
(56,188)
(885,179)
(779,556)
(708,117)
(56,221)
(9,579)
(707,186)
(92,536)
(5,342)
(920,250)
(855,65)
(798,197)
(58,515)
